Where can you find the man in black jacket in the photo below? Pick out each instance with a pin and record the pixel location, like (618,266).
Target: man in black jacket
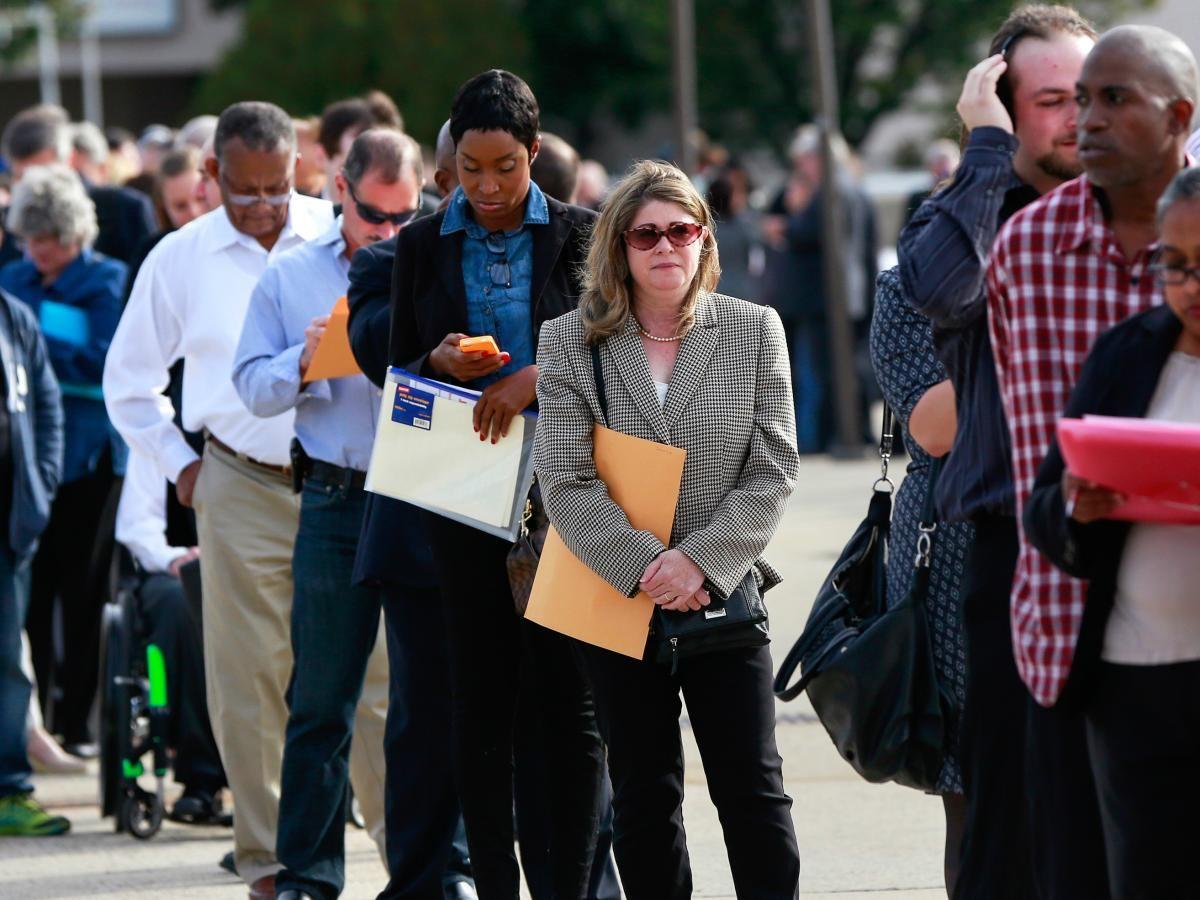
(500,259)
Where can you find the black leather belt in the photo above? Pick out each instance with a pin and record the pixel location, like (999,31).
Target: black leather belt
(327,473)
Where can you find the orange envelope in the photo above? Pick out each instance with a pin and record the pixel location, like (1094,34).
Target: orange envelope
(643,478)
(332,358)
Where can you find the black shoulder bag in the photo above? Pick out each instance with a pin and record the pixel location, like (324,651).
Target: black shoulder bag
(739,620)
(869,670)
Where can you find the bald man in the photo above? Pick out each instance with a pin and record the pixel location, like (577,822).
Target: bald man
(445,174)
(1062,271)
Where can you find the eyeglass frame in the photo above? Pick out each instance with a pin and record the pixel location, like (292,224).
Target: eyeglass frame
(498,270)
(660,233)
(246,200)
(1159,268)
(373,215)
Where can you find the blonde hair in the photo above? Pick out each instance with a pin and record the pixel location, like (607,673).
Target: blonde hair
(607,284)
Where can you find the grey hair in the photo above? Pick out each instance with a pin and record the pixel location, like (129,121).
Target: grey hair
(51,200)
(196,132)
(387,152)
(1184,186)
(36,129)
(89,140)
(260,126)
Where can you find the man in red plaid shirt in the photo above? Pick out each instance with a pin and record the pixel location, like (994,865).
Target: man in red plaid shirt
(1062,271)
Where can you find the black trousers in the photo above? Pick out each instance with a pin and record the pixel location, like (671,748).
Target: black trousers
(71,570)
(996,847)
(1065,832)
(176,630)
(1143,729)
(487,644)
(732,712)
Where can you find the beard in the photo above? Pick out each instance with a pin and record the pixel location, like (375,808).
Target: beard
(1057,165)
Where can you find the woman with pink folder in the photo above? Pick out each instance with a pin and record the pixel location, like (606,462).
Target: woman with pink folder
(1139,644)
(653,353)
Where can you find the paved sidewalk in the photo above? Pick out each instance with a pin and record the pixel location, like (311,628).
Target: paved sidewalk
(856,839)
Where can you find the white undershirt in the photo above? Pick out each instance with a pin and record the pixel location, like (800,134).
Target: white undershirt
(1156,612)
(660,388)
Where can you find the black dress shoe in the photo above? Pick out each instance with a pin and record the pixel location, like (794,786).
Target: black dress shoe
(293,894)
(227,863)
(461,890)
(198,807)
(82,749)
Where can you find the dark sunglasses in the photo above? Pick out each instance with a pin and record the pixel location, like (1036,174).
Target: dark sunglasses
(377,216)
(499,270)
(646,237)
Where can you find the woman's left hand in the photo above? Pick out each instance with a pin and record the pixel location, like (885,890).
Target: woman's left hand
(675,582)
(504,399)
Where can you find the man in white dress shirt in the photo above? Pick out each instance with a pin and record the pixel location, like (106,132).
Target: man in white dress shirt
(188,303)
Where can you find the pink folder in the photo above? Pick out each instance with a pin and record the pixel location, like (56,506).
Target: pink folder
(1156,465)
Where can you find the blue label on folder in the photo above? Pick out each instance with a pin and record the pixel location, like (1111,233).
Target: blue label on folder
(413,407)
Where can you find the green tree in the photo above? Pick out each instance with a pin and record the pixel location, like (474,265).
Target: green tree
(591,60)
(303,54)
(16,42)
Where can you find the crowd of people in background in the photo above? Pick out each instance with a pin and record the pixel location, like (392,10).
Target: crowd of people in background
(161,300)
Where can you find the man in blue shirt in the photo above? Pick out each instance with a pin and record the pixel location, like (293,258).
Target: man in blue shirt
(334,624)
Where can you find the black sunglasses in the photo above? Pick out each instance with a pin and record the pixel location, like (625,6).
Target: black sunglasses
(377,216)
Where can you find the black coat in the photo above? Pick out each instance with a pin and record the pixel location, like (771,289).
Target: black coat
(125,218)
(1119,378)
(393,548)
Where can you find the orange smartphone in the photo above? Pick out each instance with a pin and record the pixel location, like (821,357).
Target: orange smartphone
(486,345)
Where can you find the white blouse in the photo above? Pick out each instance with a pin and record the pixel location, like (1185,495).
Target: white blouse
(1156,612)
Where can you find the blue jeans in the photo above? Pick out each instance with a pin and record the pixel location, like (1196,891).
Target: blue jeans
(334,625)
(15,772)
(810,382)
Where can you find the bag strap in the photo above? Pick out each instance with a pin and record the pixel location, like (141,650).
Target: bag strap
(925,531)
(598,374)
(886,442)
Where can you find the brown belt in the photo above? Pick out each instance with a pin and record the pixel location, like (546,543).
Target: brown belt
(285,471)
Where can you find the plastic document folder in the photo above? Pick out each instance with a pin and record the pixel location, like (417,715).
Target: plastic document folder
(63,322)
(427,453)
(643,479)
(1156,465)
(333,358)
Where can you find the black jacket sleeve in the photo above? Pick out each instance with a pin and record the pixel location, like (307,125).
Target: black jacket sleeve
(369,299)
(1075,548)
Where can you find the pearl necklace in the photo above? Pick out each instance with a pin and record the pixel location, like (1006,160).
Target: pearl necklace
(656,338)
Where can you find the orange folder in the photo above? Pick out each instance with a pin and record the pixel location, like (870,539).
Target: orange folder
(332,358)
(643,478)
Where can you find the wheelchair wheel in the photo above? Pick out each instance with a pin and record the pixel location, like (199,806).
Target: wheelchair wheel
(141,813)
(116,637)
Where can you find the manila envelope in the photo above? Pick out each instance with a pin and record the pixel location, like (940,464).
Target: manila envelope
(643,478)
(332,358)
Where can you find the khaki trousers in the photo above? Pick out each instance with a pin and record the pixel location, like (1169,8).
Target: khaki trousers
(247,518)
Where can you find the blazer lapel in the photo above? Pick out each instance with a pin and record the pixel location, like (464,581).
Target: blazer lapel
(634,368)
(449,267)
(548,242)
(695,351)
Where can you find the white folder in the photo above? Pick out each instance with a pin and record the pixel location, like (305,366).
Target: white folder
(427,453)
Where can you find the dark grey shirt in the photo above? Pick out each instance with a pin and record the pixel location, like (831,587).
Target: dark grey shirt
(943,263)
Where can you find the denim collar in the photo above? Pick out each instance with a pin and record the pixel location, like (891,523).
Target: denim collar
(458,213)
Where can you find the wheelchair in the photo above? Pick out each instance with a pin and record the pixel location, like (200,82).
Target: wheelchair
(134,713)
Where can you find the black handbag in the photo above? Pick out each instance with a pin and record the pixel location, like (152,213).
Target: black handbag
(524,555)
(869,670)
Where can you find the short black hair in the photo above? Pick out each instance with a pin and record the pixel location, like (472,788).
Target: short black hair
(260,126)
(34,130)
(495,100)
(556,168)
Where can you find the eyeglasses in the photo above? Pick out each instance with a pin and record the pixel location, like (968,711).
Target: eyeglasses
(680,234)
(280,199)
(1175,276)
(376,216)
(499,270)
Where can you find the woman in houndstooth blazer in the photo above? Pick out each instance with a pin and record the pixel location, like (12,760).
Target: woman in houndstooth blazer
(708,373)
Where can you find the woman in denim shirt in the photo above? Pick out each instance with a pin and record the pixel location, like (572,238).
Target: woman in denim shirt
(76,295)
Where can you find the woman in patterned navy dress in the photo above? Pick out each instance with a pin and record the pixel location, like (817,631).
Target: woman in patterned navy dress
(915,385)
